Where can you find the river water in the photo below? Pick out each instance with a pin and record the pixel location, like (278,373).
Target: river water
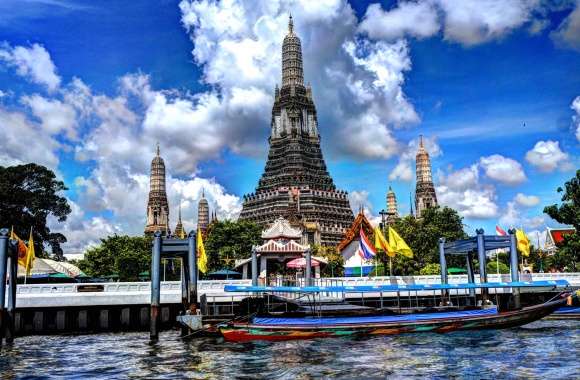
(544,349)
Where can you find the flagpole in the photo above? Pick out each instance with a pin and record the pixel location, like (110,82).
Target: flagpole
(390,266)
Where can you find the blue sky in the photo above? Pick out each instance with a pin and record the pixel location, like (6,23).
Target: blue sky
(490,85)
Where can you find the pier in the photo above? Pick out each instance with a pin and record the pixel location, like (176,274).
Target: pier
(125,306)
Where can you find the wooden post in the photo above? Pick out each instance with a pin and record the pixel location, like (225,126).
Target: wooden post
(308,269)
(481,256)
(155,287)
(254,267)
(11,309)
(3,270)
(192,269)
(515,277)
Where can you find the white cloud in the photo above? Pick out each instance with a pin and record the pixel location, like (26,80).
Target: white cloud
(472,22)
(576,118)
(503,169)
(547,156)
(33,63)
(568,33)
(462,191)
(526,200)
(416,19)
(22,141)
(404,169)
(55,116)
(512,217)
(360,199)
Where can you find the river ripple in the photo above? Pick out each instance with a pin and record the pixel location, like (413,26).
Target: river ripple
(544,349)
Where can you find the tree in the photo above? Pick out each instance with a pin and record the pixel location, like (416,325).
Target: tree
(125,256)
(430,269)
(29,195)
(422,235)
(228,240)
(335,266)
(568,254)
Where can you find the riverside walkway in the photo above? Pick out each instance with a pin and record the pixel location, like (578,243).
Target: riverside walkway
(36,296)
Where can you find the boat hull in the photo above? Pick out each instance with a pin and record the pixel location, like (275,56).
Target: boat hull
(243,332)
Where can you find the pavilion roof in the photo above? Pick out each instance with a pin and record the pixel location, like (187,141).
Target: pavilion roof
(281,228)
(352,233)
(274,246)
(556,235)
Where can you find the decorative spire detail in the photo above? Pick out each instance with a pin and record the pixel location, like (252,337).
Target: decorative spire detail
(290,25)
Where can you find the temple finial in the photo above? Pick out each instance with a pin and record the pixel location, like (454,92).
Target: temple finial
(421,141)
(203,192)
(290,24)
(157,148)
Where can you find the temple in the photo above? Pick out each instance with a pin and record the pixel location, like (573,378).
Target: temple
(425,196)
(179,231)
(392,210)
(296,184)
(157,205)
(203,214)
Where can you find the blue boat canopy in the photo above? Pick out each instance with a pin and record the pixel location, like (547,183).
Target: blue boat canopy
(393,288)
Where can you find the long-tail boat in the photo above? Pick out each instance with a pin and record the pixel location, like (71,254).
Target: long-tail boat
(322,325)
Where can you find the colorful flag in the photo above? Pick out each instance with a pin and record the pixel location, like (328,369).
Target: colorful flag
(365,248)
(30,256)
(523,242)
(500,231)
(201,256)
(21,247)
(398,245)
(381,242)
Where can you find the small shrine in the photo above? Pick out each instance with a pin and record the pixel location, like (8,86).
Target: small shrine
(282,244)
(354,265)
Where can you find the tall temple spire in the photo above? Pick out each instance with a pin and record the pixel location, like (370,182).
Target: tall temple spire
(296,183)
(425,196)
(392,211)
(179,231)
(157,205)
(292,72)
(203,213)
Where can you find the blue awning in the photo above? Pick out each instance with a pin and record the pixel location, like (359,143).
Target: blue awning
(394,288)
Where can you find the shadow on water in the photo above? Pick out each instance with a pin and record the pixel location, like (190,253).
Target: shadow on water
(547,349)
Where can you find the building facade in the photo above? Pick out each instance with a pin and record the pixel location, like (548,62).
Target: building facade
(296,184)
(157,205)
(425,196)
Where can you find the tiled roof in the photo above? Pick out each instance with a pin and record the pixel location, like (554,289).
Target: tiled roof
(281,228)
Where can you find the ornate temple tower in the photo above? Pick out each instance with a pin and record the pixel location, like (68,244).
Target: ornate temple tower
(157,206)
(179,231)
(425,196)
(392,211)
(203,213)
(296,183)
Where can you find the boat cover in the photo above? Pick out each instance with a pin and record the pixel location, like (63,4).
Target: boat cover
(394,288)
(329,321)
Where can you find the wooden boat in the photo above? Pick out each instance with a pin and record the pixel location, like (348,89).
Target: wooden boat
(279,328)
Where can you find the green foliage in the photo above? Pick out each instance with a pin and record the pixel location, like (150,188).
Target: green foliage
(28,195)
(423,234)
(227,241)
(568,254)
(335,266)
(430,269)
(492,267)
(125,256)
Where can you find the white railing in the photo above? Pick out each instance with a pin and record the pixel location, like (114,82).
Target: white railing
(139,293)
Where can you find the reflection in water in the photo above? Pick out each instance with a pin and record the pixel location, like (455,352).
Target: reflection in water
(546,349)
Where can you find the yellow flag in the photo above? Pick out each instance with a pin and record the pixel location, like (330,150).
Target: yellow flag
(398,245)
(201,256)
(21,248)
(30,256)
(381,242)
(523,242)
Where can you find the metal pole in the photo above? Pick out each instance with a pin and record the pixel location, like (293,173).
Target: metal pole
(481,257)
(470,275)
(442,260)
(308,270)
(155,287)
(11,309)
(514,266)
(3,262)
(192,266)
(254,267)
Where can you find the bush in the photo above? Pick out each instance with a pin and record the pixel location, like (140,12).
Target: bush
(430,269)
(492,267)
